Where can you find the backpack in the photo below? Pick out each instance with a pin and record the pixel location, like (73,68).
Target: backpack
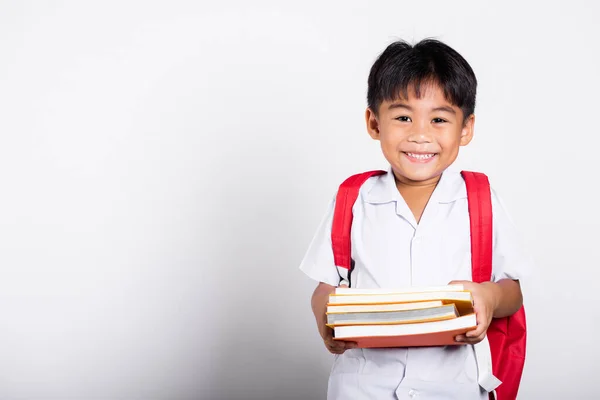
(507,336)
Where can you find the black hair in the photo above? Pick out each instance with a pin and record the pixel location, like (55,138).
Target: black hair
(401,66)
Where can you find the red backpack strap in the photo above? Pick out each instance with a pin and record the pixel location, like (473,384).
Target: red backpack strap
(342,222)
(507,336)
(480,215)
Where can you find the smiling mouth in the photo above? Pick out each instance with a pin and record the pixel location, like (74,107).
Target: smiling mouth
(420,156)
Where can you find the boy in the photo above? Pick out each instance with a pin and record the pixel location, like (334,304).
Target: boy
(411,228)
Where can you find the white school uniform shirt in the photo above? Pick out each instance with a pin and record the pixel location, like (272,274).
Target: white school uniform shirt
(391,250)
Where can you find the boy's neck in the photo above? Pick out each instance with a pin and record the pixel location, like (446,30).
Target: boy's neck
(416,194)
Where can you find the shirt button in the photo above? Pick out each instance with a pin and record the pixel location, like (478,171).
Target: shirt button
(413,393)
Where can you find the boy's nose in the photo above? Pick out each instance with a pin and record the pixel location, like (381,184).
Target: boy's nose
(420,136)
(419,132)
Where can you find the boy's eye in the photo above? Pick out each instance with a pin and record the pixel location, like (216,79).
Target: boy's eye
(438,120)
(403,118)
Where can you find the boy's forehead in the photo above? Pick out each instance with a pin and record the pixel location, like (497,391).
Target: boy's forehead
(422,91)
(427,93)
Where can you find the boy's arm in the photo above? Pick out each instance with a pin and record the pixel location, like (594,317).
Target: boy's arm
(319,301)
(508,296)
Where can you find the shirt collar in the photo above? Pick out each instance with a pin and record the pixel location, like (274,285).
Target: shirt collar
(450,188)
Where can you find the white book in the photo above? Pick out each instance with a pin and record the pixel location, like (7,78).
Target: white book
(439,333)
(414,289)
(399,298)
(337,309)
(422,315)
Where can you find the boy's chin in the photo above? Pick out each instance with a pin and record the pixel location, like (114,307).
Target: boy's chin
(421,176)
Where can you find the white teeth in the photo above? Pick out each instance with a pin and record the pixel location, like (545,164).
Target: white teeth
(421,156)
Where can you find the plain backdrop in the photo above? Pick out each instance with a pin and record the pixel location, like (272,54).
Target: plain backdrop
(164,166)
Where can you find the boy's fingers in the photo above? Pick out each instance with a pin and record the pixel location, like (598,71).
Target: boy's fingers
(476,332)
(335,347)
(339,346)
(481,324)
(475,340)
(331,342)
(469,340)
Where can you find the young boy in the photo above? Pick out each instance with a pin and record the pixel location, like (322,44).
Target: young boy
(411,228)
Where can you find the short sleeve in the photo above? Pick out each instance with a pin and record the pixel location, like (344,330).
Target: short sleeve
(318,263)
(510,259)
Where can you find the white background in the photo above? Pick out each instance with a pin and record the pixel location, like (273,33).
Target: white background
(164,165)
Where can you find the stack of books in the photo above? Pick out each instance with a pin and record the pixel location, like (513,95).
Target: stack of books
(428,316)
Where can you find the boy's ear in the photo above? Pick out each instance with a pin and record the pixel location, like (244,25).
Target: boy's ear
(466,134)
(372,124)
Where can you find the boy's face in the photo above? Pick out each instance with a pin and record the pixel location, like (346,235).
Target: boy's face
(420,137)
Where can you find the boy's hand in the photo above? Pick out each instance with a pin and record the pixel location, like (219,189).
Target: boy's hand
(335,346)
(319,305)
(485,302)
